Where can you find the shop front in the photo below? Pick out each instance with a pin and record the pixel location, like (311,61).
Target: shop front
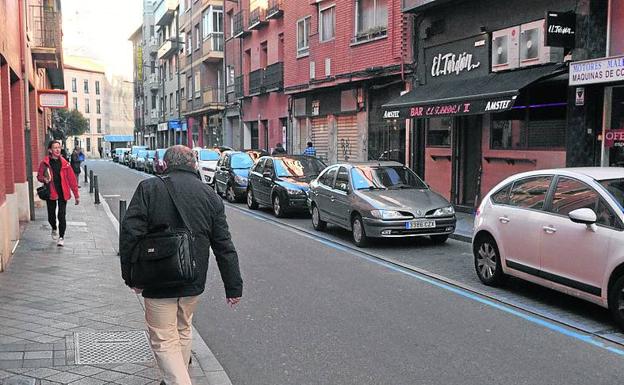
(471,127)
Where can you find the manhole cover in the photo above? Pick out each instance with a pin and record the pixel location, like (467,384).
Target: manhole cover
(112,347)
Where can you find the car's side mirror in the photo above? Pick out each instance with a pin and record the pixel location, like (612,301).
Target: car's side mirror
(584,216)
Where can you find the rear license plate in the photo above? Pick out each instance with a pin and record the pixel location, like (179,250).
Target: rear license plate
(422,224)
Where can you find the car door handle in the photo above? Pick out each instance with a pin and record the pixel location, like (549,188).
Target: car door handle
(333,199)
(549,229)
(503,219)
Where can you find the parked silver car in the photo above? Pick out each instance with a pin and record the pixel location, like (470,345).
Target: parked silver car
(379,199)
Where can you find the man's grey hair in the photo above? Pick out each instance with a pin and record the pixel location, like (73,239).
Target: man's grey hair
(179,156)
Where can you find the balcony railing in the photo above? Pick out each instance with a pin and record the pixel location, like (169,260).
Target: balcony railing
(239,25)
(168,48)
(257,18)
(273,79)
(275,9)
(213,47)
(213,95)
(45,24)
(255,82)
(239,91)
(154,82)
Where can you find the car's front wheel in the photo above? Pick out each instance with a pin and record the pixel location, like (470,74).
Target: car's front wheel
(358,232)
(251,201)
(317,222)
(487,261)
(230,195)
(616,301)
(278,209)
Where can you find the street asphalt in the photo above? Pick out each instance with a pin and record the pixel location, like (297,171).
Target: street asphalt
(316,311)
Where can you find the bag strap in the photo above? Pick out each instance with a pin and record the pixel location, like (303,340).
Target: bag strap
(167,181)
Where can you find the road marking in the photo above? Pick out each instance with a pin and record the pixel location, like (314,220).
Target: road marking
(440,282)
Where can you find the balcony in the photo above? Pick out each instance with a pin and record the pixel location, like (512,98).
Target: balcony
(275,10)
(45,26)
(212,96)
(239,91)
(154,114)
(153,82)
(169,48)
(256,86)
(239,25)
(213,47)
(273,79)
(165,12)
(257,18)
(152,45)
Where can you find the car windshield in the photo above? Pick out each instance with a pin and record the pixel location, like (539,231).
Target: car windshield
(208,155)
(241,161)
(142,154)
(615,187)
(385,177)
(161,153)
(151,154)
(298,167)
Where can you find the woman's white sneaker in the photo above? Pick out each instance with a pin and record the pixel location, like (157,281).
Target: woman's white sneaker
(60,242)
(54,235)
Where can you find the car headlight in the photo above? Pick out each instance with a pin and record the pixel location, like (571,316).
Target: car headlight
(388,214)
(294,191)
(444,212)
(240,180)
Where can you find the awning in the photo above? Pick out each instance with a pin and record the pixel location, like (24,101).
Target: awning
(118,138)
(495,92)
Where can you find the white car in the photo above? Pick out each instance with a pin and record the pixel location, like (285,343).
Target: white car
(561,228)
(207,164)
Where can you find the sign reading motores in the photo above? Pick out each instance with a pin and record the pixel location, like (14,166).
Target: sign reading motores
(561,29)
(52,98)
(605,70)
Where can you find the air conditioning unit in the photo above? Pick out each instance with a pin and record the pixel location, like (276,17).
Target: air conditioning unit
(532,48)
(505,49)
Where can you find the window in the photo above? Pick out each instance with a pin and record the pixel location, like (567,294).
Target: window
(88,125)
(153,67)
(177,100)
(151,31)
(501,197)
(153,101)
(97,87)
(86,86)
(99,126)
(303,33)
(572,194)
(439,132)
(197,37)
(182,93)
(268,167)
(75,103)
(528,128)
(530,193)
(259,166)
(164,107)
(171,103)
(197,88)
(342,180)
(212,21)
(371,16)
(87,107)
(231,23)
(98,106)
(328,178)
(88,144)
(327,23)
(189,42)
(74,85)
(171,69)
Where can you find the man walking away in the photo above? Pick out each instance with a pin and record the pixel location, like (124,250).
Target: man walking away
(76,163)
(169,310)
(310,150)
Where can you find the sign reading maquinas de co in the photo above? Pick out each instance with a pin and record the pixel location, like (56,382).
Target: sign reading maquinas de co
(605,70)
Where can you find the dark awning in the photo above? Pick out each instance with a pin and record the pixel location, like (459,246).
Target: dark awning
(495,92)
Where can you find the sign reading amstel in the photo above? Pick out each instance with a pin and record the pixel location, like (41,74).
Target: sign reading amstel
(606,70)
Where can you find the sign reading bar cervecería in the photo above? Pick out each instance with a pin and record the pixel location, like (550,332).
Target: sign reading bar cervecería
(52,98)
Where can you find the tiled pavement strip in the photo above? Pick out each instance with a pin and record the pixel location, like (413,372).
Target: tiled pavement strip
(48,293)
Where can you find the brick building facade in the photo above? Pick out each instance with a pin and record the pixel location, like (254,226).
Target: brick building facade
(43,58)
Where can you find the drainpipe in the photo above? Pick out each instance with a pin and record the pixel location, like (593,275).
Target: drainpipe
(27,136)
(179,101)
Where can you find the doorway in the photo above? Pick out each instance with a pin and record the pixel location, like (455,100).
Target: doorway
(467,133)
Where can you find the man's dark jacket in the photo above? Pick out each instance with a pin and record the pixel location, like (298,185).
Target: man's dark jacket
(152,210)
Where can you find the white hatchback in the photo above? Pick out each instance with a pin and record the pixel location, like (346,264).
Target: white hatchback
(561,228)
(207,164)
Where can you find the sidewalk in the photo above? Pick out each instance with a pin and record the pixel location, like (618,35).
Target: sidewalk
(67,318)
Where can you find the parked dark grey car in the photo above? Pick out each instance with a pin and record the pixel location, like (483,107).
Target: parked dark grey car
(379,199)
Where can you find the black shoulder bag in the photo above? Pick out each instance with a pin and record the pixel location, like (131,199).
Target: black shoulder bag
(165,259)
(43,191)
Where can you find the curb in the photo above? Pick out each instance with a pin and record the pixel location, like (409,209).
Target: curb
(460,237)
(214,372)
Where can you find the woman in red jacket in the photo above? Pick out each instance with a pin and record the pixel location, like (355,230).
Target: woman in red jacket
(56,171)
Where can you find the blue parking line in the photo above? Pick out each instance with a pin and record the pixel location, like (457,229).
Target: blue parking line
(462,292)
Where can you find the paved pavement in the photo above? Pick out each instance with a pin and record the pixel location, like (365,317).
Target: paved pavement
(66,316)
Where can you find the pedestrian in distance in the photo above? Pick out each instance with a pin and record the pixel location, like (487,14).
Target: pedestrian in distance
(310,150)
(101,151)
(159,206)
(76,163)
(279,149)
(56,172)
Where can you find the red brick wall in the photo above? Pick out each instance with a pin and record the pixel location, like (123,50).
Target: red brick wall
(17,111)
(3,130)
(7,142)
(345,57)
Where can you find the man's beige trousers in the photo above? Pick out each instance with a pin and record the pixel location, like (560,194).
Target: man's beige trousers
(169,323)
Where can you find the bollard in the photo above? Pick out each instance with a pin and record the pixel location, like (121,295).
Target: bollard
(97,190)
(85,173)
(122,210)
(90,181)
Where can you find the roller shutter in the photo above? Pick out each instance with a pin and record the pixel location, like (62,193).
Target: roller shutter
(349,141)
(320,137)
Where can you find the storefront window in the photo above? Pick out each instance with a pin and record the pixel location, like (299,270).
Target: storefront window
(616,126)
(439,132)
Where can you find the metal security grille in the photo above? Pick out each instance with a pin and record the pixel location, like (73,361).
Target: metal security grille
(112,347)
